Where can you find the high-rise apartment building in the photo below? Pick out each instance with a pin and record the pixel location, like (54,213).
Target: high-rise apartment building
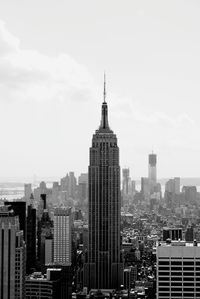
(62,236)
(104,268)
(178,270)
(12,256)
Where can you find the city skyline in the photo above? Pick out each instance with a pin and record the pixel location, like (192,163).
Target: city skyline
(51,79)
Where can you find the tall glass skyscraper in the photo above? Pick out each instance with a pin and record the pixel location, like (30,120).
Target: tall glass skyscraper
(104,268)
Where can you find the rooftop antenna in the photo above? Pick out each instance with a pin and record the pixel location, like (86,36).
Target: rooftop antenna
(104,91)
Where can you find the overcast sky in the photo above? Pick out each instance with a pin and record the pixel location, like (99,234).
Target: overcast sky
(52,58)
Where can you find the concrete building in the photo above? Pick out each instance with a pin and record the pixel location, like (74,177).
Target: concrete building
(12,256)
(104,268)
(44,286)
(177,185)
(83,187)
(145,188)
(27,192)
(173,186)
(178,270)
(49,251)
(72,185)
(125,181)
(62,236)
(190,193)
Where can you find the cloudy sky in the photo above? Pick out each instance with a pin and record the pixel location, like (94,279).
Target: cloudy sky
(52,58)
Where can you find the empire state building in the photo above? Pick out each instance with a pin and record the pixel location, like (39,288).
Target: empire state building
(104,268)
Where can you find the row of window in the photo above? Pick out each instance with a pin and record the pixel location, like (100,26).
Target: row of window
(178,289)
(184,263)
(186,295)
(180,274)
(167,278)
(180,284)
(188,268)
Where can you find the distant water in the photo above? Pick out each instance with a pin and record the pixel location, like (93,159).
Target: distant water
(11,193)
(17,192)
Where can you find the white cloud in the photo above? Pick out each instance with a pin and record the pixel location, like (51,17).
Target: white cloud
(27,74)
(129,108)
(8,42)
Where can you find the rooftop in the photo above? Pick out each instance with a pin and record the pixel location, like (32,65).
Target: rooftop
(170,243)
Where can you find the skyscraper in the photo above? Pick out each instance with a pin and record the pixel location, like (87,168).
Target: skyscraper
(45,231)
(12,256)
(19,209)
(152,172)
(152,168)
(104,268)
(27,193)
(62,236)
(31,239)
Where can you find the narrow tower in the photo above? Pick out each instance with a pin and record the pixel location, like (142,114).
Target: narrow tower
(152,171)
(104,268)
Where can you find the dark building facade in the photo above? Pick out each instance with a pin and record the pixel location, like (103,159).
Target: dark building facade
(104,268)
(172,233)
(45,231)
(31,240)
(19,209)
(12,256)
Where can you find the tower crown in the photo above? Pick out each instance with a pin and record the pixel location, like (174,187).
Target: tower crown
(104,125)
(104,117)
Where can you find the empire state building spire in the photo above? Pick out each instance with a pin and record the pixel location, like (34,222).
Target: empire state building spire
(104,111)
(104,90)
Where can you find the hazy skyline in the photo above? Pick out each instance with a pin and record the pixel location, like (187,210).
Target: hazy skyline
(52,58)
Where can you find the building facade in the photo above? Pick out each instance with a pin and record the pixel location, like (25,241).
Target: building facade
(45,231)
(178,270)
(31,239)
(12,256)
(104,268)
(62,236)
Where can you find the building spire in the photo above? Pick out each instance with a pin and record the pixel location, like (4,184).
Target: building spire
(104,91)
(104,110)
